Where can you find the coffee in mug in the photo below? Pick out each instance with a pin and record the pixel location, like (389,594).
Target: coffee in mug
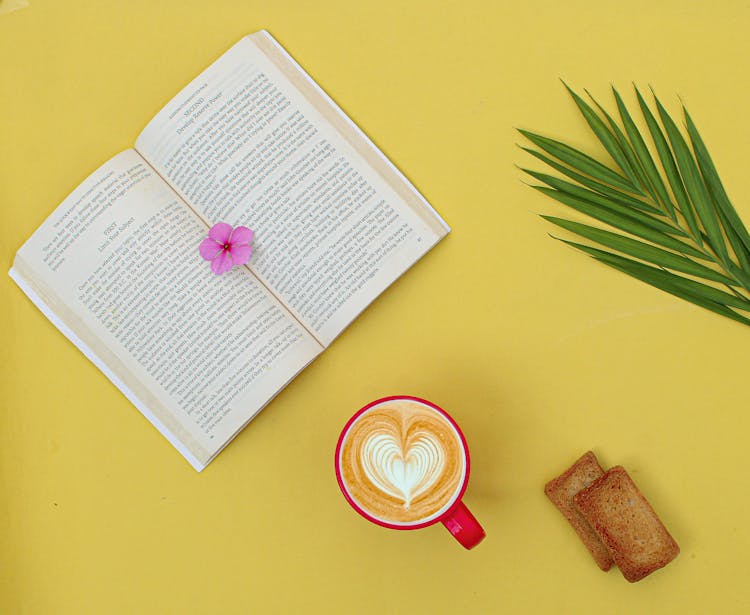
(403,463)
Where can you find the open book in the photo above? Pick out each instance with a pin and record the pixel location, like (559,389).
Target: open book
(252,141)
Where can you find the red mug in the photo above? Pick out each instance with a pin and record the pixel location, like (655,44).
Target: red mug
(452,512)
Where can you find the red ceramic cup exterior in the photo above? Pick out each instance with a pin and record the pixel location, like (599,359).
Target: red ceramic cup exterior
(457,519)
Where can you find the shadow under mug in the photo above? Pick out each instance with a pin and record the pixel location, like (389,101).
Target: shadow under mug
(456,517)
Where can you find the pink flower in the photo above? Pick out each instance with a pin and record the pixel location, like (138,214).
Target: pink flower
(226,247)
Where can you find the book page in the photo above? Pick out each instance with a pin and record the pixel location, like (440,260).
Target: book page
(254,141)
(117,265)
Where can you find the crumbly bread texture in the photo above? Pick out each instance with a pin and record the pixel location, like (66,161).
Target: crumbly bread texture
(561,491)
(626,524)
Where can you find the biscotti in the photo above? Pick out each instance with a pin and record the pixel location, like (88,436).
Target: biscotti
(627,525)
(561,491)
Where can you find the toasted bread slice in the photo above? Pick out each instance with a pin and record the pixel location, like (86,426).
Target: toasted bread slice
(626,524)
(561,491)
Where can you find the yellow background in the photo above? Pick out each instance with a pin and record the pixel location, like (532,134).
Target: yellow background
(538,352)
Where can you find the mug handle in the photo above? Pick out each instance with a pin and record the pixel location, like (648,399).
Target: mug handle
(463,526)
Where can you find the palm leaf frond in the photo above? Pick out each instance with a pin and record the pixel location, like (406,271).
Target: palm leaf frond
(644,157)
(674,226)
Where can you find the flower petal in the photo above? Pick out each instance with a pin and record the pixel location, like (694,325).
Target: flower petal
(241,235)
(220,232)
(209,249)
(240,254)
(222,263)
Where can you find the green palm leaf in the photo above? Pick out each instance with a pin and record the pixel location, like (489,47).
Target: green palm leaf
(674,226)
(644,251)
(670,168)
(622,222)
(694,186)
(612,193)
(644,157)
(699,294)
(733,226)
(614,203)
(629,150)
(608,139)
(578,160)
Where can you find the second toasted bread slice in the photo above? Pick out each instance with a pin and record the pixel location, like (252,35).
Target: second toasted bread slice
(561,491)
(617,511)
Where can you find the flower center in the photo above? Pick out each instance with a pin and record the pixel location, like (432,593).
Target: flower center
(226,246)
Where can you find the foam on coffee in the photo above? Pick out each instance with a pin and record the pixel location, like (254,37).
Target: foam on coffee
(402,462)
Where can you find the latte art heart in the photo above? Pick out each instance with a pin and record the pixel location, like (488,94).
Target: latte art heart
(403,474)
(402,462)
